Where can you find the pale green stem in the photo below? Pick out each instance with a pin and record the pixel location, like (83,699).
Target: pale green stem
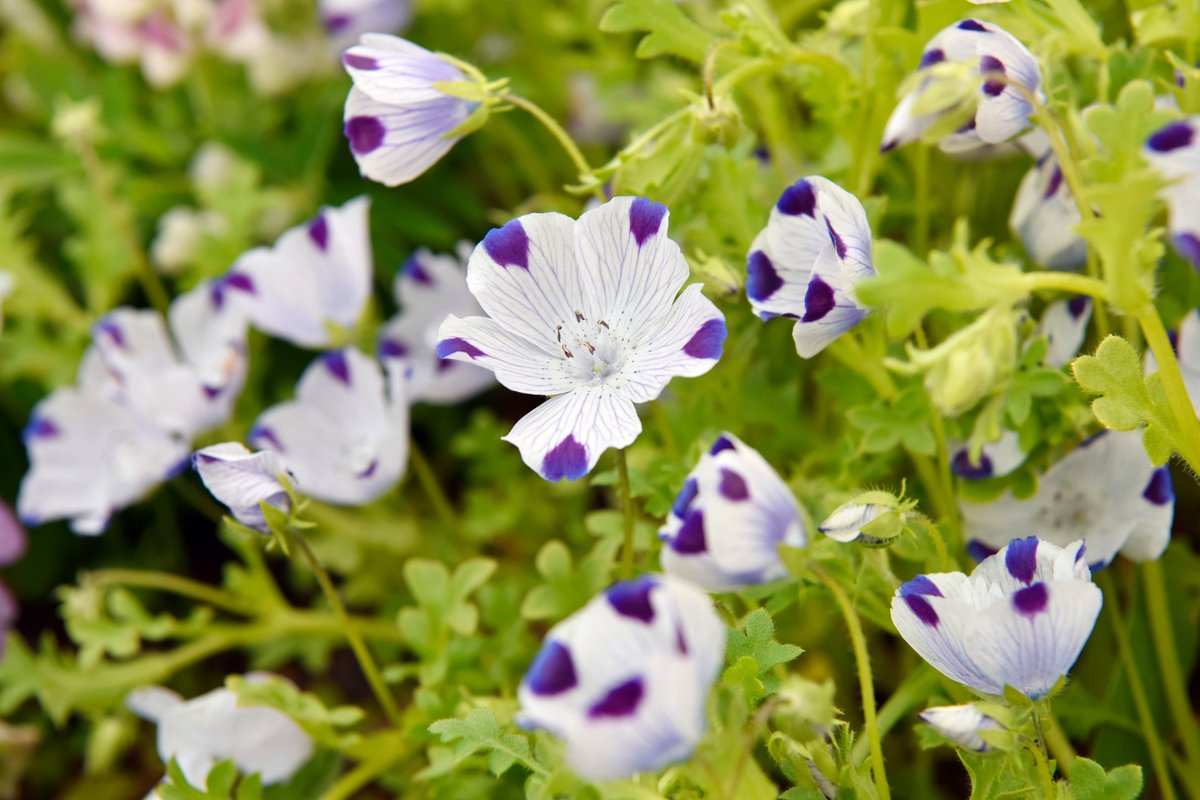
(185,587)
(431,486)
(939,543)
(363,774)
(1177,398)
(1043,769)
(1158,610)
(627,508)
(865,683)
(910,694)
(559,133)
(1056,739)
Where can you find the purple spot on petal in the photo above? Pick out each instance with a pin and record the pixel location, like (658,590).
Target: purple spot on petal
(552,671)
(1056,179)
(1159,490)
(508,245)
(239,281)
(318,231)
(990,64)
(212,392)
(887,147)
(567,459)
(921,609)
(722,443)
(336,23)
(1188,246)
(113,331)
(632,598)
(686,496)
(972,25)
(443,366)
(799,198)
(838,244)
(335,362)
(920,585)
(1172,137)
(262,435)
(1077,305)
(1031,600)
(961,466)
(412,269)
(365,134)
(690,538)
(680,641)
(707,341)
(355,61)
(393,348)
(40,428)
(979,551)
(762,280)
(818,300)
(733,486)
(370,470)
(1020,559)
(645,218)
(931,57)
(622,701)
(456,344)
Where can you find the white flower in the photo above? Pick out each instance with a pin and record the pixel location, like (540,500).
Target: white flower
(243,480)
(1174,151)
(997,458)
(397,119)
(1044,216)
(316,276)
(961,725)
(729,520)
(846,522)
(347,20)
(1064,324)
(586,311)
(428,288)
(345,436)
(624,680)
(1020,620)
(1000,112)
(181,231)
(1105,492)
(805,264)
(200,732)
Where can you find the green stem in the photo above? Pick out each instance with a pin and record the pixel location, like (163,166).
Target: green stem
(185,587)
(939,543)
(1145,716)
(431,486)
(865,683)
(1065,282)
(627,507)
(586,174)
(1177,397)
(363,774)
(1057,741)
(1043,768)
(353,636)
(1158,610)
(913,692)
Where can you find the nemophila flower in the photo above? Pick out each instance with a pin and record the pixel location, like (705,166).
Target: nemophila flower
(181,232)
(1020,620)
(1175,152)
(624,680)
(995,460)
(205,730)
(1044,213)
(313,284)
(1064,324)
(951,66)
(13,544)
(401,116)
(347,20)
(428,288)
(872,518)
(90,456)
(961,725)
(732,514)
(242,480)
(155,35)
(1187,353)
(1105,492)
(345,436)
(585,311)
(805,264)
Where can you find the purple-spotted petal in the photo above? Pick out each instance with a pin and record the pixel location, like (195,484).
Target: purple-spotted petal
(396,144)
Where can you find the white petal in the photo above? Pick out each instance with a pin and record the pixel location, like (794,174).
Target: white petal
(396,71)
(211,336)
(830,310)
(1152,533)
(565,436)
(394,144)
(1044,216)
(687,343)
(997,458)
(518,363)
(1064,323)
(152,702)
(409,342)
(846,522)
(960,724)
(241,480)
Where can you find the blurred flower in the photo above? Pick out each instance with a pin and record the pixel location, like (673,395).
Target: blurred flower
(805,264)
(347,20)
(154,33)
(996,459)
(1044,214)
(242,480)
(1105,492)
(586,311)
(961,725)
(200,732)
(181,231)
(1064,324)
(726,526)
(400,115)
(428,288)
(13,543)
(314,282)
(213,167)
(345,436)
(1174,151)
(624,680)
(8,282)
(965,80)
(1021,618)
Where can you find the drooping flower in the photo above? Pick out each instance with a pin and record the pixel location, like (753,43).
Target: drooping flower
(961,725)
(729,520)
(313,282)
(243,480)
(585,311)
(1020,619)
(398,118)
(993,114)
(873,518)
(1105,492)
(1174,151)
(345,436)
(205,730)
(1044,213)
(428,288)
(1064,324)
(996,459)
(347,20)
(624,680)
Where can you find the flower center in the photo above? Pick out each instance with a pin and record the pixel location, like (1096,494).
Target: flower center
(591,352)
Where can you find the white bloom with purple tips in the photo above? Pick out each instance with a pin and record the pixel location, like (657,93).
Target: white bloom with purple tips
(1020,620)
(243,480)
(1044,215)
(1174,151)
(313,282)
(961,725)
(1064,324)
(624,681)
(398,118)
(347,20)
(805,264)
(585,311)
(1000,110)
(428,288)
(996,459)
(345,436)
(1105,492)
(730,518)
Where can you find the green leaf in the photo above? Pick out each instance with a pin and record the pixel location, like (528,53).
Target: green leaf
(755,641)
(668,30)
(1090,782)
(480,731)
(567,587)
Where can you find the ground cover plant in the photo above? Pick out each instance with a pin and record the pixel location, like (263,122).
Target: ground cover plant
(612,399)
